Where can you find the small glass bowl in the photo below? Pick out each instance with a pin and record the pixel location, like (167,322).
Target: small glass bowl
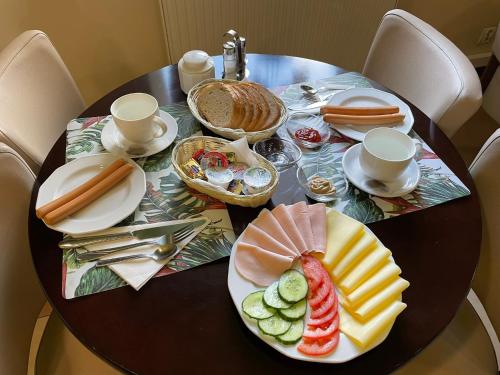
(282,153)
(307,172)
(300,120)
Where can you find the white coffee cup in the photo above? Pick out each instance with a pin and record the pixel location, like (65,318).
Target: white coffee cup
(136,117)
(386,153)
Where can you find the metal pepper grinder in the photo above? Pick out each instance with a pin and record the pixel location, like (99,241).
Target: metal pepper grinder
(234,54)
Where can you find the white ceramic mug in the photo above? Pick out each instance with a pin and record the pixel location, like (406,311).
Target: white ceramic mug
(136,117)
(386,153)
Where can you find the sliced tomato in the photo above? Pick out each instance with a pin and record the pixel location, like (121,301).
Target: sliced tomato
(316,333)
(317,348)
(330,303)
(313,271)
(321,293)
(324,320)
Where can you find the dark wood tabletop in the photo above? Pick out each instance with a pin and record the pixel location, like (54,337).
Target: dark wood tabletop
(187,322)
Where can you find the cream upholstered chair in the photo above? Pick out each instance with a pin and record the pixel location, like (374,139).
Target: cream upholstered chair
(413,59)
(21,298)
(38,96)
(465,346)
(491,102)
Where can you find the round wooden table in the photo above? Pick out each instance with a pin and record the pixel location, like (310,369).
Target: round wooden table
(187,323)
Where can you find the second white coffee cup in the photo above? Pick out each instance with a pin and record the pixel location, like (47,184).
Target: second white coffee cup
(386,153)
(136,117)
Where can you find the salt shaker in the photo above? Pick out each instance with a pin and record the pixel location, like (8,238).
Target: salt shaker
(230,61)
(195,66)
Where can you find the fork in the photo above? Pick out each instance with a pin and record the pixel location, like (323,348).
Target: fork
(87,256)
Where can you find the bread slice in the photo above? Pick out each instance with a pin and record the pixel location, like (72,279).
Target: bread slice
(248,107)
(239,108)
(257,103)
(263,108)
(216,104)
(274,108)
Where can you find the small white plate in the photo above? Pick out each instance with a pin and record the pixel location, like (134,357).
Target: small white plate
(115,143)
(239,288)
(367,97)
(404,184)
(111,208)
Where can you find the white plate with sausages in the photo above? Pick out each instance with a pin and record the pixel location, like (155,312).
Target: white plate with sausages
(109,209)
(369,97)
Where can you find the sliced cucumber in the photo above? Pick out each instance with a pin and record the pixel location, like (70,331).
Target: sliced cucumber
(272,297)
(294,333)
(254,307)
(294,312)
(292,286)
(274,326)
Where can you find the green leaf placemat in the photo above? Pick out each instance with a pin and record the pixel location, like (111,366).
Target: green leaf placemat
(438,184)
(167,198)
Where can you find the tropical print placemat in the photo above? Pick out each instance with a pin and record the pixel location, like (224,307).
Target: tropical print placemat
(438,184)
(167,198)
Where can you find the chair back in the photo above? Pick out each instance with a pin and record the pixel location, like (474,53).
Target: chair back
(491,102)
(38,96)
(414,60)
(485,169)
(21,298)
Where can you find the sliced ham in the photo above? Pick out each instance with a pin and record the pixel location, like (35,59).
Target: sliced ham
(300,215)
(286,221)
(256,236)
(317,213)
(260,266)
(269,224)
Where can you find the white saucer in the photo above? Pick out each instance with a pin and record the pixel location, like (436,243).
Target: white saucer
(404,184)
(115,143)
(368,97)
(114,206)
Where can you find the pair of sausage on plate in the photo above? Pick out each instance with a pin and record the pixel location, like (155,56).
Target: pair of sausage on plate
(362,115)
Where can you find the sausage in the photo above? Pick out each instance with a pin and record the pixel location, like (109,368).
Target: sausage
(88,196)
(364,120)
(51,206)
(359,111)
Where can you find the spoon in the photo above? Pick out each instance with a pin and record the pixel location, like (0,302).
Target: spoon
(163,251)
(313,91)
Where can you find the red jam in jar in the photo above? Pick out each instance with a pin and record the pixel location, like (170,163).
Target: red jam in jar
(308,135)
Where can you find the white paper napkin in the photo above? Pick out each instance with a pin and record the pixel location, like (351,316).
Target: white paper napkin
(138,272)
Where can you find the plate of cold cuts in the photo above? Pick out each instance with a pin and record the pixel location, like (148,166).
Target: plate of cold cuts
(315,284)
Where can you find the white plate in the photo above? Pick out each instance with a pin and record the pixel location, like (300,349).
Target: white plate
(111,208)
(115,143)
(404,184)
(239,288)
(366,97)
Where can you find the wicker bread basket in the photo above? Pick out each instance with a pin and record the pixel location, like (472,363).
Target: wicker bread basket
(183,151)
(229,133)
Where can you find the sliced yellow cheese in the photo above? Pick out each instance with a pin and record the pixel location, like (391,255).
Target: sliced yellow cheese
(374,284)
(366,243)
(364,334)
(381,300)
(364,269)
(342,233)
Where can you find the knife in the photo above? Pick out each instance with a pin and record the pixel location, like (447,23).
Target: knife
(141,234)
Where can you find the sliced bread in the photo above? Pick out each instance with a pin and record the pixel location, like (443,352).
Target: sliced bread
(216,104)
(248,108)
(274,108)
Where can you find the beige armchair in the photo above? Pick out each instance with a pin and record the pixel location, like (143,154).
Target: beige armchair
(466,347)
(21,297)
(491,103)
(413,59)
(38,96)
